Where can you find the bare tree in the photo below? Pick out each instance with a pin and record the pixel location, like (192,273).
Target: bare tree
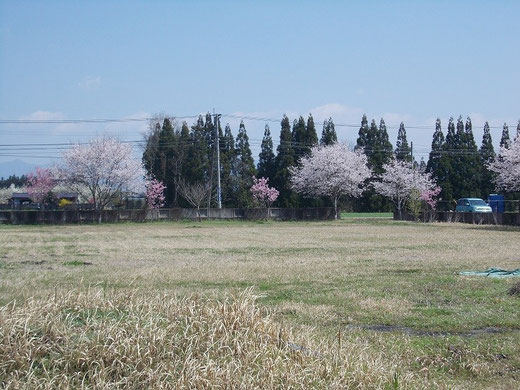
(194,193)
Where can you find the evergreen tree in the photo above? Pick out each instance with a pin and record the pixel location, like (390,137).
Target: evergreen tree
(460,135)
(383,144)
(451,138)
(402,149)
(487,154)
(266,159)
(517,130)
(470,165)
(196,169)
(311,138)
(438,163)
(505,141)
(363,134)
(164,162)
(470,139)
(151,157)
(299,138)
(227,161)
(244,168)
(328,135)
(453,161)
(284,160)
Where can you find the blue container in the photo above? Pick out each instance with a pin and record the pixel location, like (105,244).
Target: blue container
(497,203)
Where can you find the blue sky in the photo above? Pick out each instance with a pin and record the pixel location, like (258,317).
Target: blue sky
(401,60)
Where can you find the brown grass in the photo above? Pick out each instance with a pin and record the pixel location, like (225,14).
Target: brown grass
(317,279)
(84,339)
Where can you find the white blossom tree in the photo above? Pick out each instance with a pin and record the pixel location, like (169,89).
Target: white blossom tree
(400,180)
(105,167)
(7,193)
(331,171)
(507,167)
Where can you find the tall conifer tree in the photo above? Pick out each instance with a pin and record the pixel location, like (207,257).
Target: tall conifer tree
(402,149)
(266,159)
(227,162)
(244,168)
(505,141)
(382,150)
(487,155)
(197,164)
(328,135)
(299,138)
(438,164)
(311,137)
(284,160)
(363,134)
(470,165)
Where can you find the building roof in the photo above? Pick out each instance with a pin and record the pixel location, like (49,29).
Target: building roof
(20,195)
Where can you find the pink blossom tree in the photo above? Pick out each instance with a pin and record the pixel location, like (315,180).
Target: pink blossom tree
(104,167)
(400,181)
(331,171)
(40,184)
(507,167)
(429,196)
(154,193)
(263,194)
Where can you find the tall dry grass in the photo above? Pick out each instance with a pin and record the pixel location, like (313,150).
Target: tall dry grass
(85,339)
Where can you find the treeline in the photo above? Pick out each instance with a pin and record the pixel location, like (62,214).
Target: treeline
(176,152)
(18,181)
(458,165)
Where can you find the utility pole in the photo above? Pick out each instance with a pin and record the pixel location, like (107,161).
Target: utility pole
(217,145)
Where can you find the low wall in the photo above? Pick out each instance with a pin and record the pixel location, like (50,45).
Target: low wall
(511,219)
(23,217)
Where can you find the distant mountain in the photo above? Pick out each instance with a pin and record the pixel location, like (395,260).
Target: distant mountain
(15,167)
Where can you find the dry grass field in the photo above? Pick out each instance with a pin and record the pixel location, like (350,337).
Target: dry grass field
(361,303)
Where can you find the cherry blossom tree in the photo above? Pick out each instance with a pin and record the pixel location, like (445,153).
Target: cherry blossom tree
(507,167)
(264,194)
(331,171)
(429,196)
(40,184)
(154,193)
(105,167)
(400,180)
(7,193)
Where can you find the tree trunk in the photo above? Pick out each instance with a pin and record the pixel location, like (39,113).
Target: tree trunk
(198,214)
(335,207)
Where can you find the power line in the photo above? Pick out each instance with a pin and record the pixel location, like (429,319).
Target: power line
(146,119)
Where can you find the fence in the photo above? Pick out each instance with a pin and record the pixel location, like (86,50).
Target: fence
(511,219)
(22,217)
(508,206)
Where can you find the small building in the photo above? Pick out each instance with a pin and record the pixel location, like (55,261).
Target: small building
(19,199)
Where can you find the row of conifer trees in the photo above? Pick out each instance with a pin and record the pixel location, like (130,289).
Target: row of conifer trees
(176,152)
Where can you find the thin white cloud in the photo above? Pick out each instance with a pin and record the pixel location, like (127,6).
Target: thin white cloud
(340,113)
(90,83)
(44,116)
